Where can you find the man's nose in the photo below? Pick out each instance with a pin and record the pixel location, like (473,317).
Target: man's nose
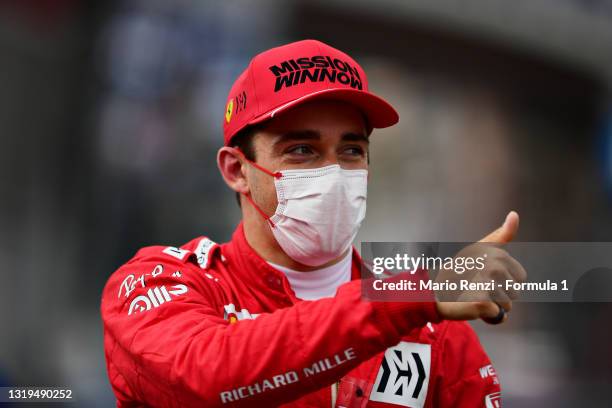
(330,157)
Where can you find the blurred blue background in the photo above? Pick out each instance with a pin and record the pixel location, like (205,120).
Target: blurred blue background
(110,118)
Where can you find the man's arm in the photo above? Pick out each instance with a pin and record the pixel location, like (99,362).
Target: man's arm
(169,343)
(468,379)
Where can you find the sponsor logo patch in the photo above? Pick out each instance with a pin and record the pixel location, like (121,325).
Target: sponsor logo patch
(403,376)
(130,282)
(203,250)
(232,315)
(155,297)
(229,109)
(175,252)
(319,68)
(493,400)
(488,372)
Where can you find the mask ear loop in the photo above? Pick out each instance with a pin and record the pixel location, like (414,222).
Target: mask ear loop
(259,210)
(276,174)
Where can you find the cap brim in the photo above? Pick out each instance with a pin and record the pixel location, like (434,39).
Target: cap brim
(380,113)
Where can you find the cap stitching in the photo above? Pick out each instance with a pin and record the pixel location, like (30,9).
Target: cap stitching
(251,69)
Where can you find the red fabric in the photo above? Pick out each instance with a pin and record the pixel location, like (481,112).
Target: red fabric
(220,319)
(282,77)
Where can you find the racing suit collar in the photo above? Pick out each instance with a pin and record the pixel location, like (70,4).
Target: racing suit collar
(256,271)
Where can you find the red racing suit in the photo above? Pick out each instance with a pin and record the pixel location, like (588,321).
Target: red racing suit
(209,325)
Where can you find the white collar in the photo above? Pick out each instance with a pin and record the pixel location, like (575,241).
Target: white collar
(320,283)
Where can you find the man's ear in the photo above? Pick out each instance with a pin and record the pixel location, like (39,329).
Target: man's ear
(233,169)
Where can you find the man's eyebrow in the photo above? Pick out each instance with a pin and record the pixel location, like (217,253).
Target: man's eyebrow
(355,137)
(297,135)
(315,135)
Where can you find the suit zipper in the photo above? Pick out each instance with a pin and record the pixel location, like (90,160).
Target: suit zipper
(334,393)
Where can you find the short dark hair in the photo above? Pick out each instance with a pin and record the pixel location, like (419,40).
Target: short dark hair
(243,141)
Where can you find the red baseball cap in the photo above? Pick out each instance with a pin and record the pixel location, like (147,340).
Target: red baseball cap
(285,76)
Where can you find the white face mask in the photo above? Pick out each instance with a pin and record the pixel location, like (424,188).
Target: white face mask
(319,211)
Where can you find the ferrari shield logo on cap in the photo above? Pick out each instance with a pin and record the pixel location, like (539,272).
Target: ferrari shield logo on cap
(228,110)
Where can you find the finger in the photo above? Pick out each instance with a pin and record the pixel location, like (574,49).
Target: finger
(502,298)
(488,310)
(506,232)
(517,272)
(500,275)
(512,293)
(500,316)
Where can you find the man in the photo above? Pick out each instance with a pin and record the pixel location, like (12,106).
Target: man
(275,316)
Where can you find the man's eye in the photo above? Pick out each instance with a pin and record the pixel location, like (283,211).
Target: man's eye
(300,150)
(354,151)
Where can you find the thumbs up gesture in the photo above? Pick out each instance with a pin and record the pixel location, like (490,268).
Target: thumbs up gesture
(491,306)
(506,232)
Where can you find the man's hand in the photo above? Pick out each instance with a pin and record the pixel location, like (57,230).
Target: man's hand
(499,267)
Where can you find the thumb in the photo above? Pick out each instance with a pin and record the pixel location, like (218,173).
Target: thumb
(506,232)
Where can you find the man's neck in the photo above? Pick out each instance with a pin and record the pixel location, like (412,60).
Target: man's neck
(322,283)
